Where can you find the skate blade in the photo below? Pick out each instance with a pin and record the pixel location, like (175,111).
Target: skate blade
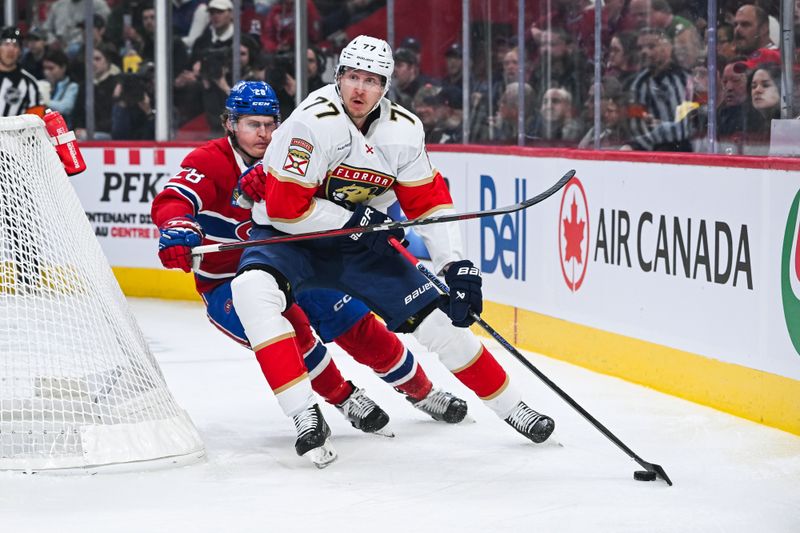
(384,432)
(323,455)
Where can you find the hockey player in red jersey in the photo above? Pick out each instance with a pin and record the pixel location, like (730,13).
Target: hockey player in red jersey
(340,161)
(196,206)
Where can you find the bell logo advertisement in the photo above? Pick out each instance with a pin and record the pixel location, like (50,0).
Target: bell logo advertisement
(790,274)
(503,239)
(573,234)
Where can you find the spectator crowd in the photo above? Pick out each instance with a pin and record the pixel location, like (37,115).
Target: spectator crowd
(654,86)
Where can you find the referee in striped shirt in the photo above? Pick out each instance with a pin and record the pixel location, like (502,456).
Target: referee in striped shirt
(656,93)
(18,88)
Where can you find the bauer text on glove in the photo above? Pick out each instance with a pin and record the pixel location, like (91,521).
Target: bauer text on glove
(466,297)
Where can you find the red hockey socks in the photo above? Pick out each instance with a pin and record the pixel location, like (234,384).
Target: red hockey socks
(371,344)
(483,375)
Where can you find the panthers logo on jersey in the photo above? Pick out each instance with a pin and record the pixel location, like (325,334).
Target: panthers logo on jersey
(348,185)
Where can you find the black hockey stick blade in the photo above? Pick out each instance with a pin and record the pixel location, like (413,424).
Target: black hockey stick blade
(656,469)
(341,232)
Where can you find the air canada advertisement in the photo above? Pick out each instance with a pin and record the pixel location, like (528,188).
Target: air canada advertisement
(697,258)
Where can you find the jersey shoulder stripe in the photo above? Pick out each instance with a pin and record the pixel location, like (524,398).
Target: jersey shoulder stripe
(187,193)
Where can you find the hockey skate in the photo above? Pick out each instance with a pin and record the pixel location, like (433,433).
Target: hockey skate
(441,406)
(364,414)
(313,437)
(530,424)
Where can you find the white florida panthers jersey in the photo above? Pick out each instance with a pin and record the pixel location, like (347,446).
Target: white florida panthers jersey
(320,165)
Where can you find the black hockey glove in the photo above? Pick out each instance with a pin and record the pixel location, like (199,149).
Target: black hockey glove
(377,241)
(464,280)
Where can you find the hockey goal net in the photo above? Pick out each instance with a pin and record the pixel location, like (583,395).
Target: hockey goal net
(79,387)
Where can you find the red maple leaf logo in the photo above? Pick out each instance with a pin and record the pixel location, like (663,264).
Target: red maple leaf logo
(573,233)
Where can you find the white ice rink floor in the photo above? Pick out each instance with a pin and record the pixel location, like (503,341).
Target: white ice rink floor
(730,475)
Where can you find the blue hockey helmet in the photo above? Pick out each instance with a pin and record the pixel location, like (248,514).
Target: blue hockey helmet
(252,98)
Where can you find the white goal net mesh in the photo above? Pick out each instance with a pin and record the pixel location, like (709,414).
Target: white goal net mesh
(79,386)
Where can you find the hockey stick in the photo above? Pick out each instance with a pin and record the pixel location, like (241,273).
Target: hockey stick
(443,289)
(340,232)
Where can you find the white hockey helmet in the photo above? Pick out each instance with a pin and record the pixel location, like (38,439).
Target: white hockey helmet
(370,54)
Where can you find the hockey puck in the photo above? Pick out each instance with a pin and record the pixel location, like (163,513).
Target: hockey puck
(644,475)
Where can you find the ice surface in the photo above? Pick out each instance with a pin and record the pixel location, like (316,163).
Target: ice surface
(730,474)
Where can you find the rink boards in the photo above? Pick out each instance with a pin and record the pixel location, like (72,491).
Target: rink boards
(678,272)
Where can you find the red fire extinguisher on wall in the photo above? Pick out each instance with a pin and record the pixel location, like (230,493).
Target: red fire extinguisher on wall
(65,142)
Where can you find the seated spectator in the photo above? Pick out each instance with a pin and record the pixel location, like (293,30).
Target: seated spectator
(132,117)
(278,31)
(735,115)
(661,17)
(218,34)
(106,74)
(424,106)
(556,121)
(614,132)
(454,66)
(751,33)
(406,80)
(413,44)
(726,49)
(561,65)
(98,31)
(764,92)
(249,51)
(449,117)
(503,126)
(623,58)
(142,34)
(280,76)
(62,22)
(215,69)
(33,56)
(687,48)
(316,68)
(63,91)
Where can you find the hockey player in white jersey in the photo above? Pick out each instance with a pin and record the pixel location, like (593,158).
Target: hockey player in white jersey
(343,156)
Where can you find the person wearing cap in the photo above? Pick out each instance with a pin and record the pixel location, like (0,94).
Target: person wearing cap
(35,48)
(454,66)
(426,102)
(18,88)
(63,18)
(412,43)
(219,32)
(449,117)
(406,81)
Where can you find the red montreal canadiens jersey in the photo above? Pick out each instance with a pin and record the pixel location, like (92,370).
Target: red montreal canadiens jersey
(203,189)
(320,166)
